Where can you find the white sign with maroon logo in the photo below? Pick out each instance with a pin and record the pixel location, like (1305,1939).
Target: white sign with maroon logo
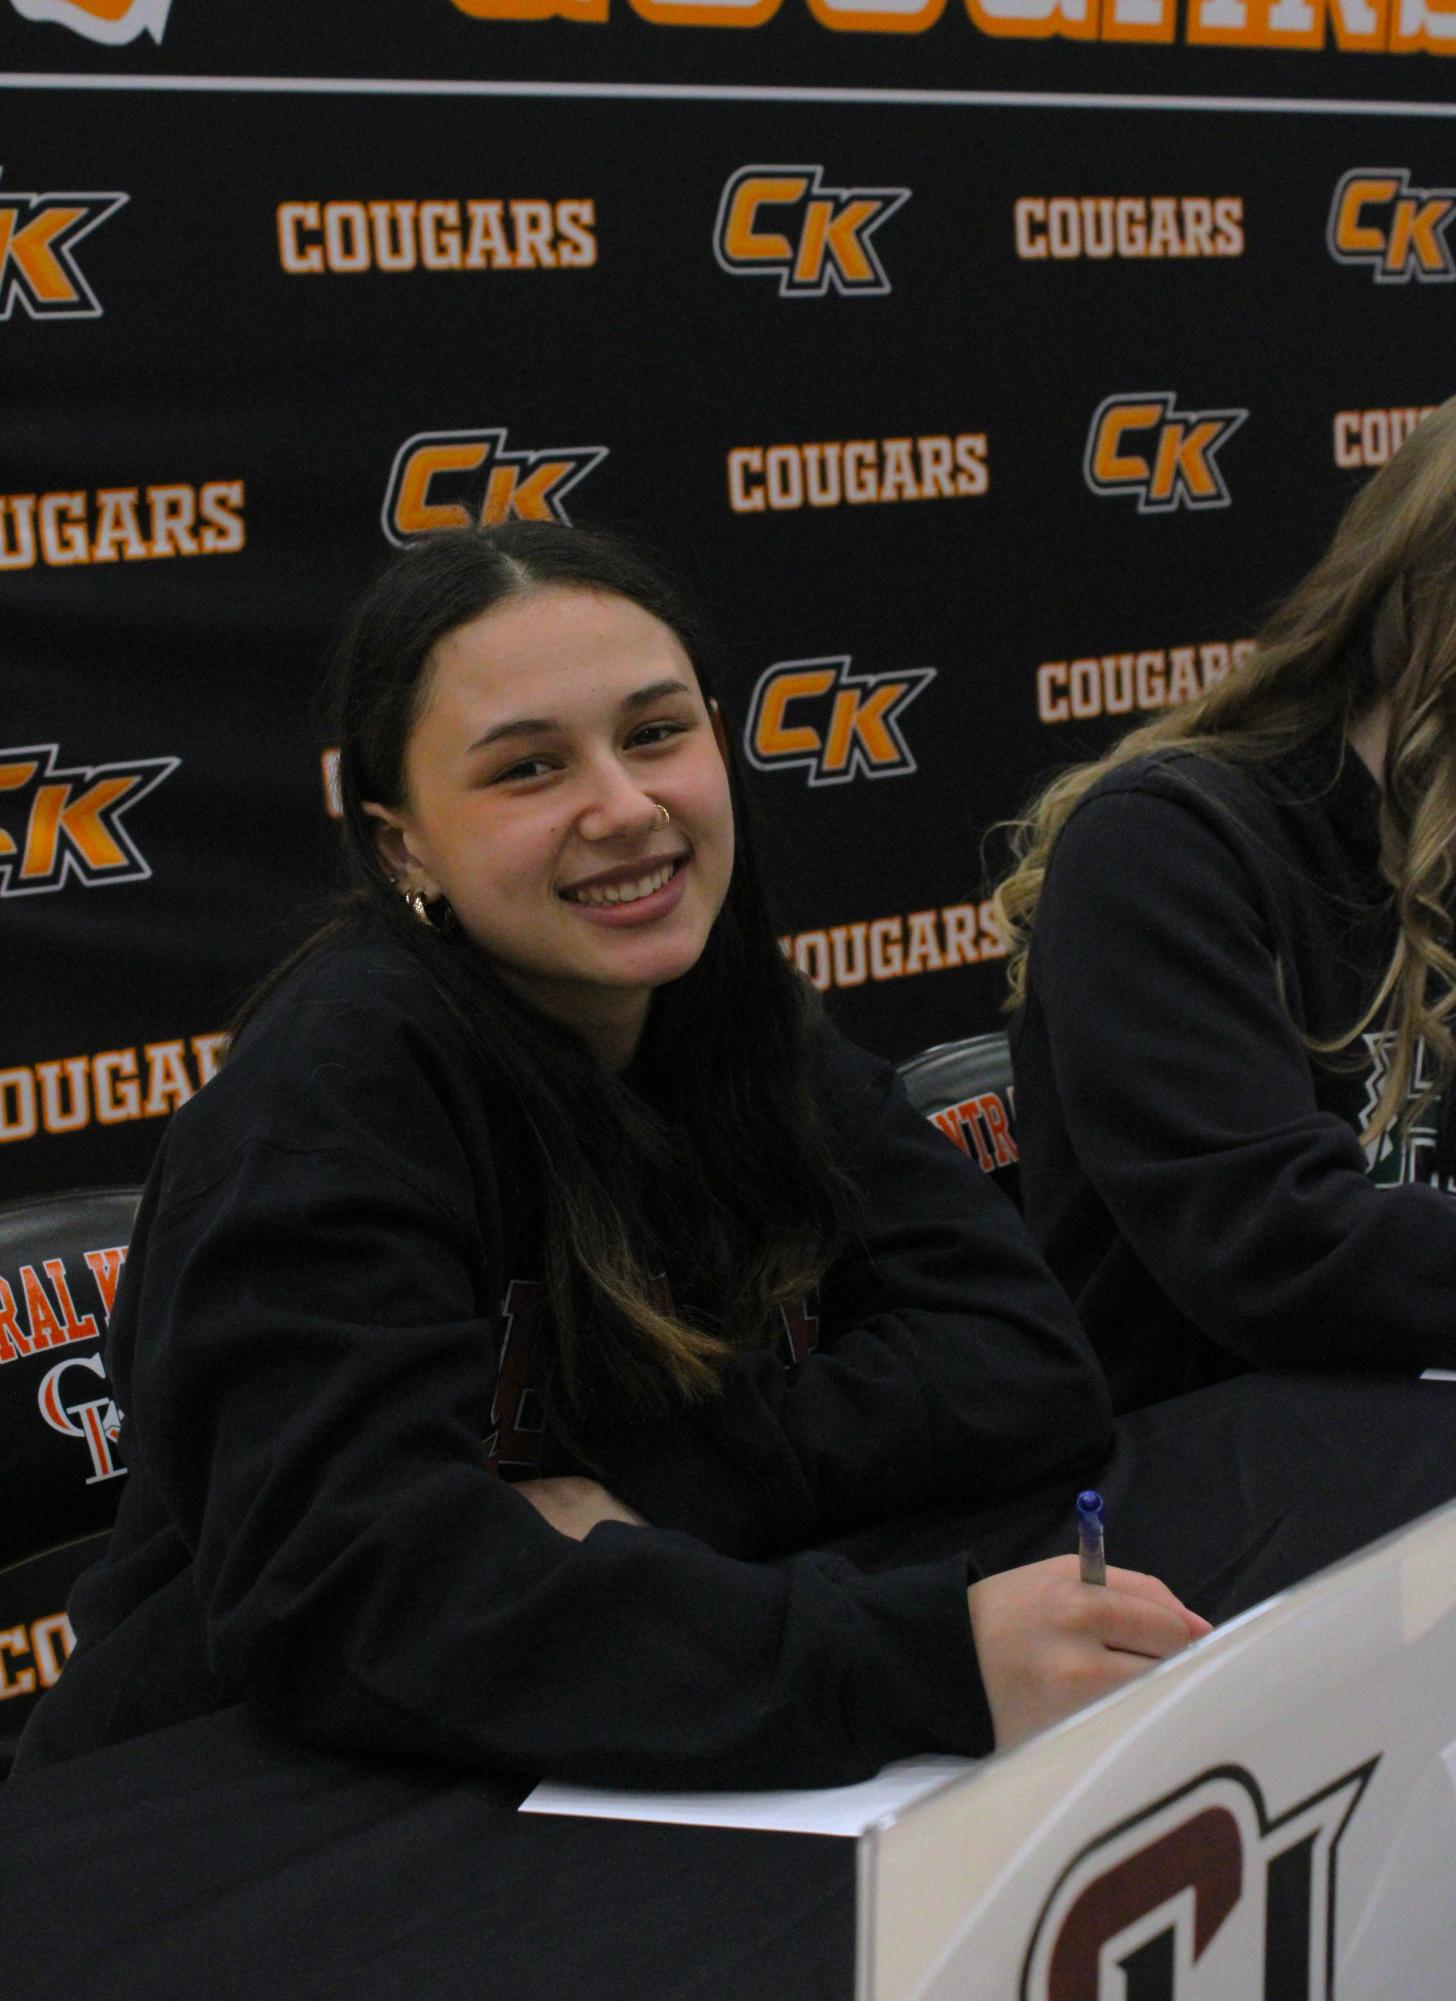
(1271,1817)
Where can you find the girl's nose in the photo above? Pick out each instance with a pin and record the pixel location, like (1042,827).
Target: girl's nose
(617,807)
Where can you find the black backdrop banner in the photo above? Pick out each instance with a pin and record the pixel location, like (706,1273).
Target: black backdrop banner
(988,365)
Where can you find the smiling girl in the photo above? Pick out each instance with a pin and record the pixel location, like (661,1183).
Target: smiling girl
(542,1283)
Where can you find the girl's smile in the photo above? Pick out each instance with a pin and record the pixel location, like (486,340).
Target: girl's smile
(630,896)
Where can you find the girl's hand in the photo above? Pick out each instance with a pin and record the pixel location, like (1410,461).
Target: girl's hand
(573,1505)
(1049,1644)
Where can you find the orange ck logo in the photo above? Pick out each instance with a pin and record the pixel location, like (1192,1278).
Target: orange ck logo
(1143,445)
(816,714)
(456,479)
(782,222)
(109,21)
(38,234)
(64,823)
(1378,218)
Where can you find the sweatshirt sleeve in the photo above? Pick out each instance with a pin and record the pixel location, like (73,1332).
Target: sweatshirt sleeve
(1189,1101)
(310,1400)
(950,1364)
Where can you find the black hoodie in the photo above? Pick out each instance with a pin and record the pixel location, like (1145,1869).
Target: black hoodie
(1190,1166)
(320,1345)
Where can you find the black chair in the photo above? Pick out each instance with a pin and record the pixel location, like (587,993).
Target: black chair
(61,1469)
(966,1089)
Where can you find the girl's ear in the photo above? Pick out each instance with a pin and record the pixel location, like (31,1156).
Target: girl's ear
(720,730)
(391,844)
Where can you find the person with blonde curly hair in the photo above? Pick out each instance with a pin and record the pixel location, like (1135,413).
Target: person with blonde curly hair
(1233,983)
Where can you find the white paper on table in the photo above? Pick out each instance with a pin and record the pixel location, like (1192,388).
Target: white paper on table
(824,1810)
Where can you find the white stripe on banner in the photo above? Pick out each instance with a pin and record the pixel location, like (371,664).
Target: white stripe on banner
(1059,100)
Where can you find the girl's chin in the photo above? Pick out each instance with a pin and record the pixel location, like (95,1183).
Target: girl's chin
(596,955)
(624,972)
(648,970)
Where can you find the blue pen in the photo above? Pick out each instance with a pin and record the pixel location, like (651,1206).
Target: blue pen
(1089,1538)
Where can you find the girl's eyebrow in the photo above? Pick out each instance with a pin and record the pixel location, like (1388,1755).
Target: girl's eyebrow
(526,726)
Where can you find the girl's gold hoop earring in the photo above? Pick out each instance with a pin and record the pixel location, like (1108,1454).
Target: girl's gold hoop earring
(436,916)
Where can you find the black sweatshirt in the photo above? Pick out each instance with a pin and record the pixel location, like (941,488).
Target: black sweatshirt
(1191,1168)
(334,1255)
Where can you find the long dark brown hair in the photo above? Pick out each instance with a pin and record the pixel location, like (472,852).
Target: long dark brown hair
(1374,619)
(710,1160)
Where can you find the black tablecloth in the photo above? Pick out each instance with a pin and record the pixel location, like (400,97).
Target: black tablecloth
(217,1859)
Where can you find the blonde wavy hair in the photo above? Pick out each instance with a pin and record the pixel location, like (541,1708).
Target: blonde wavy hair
(1374,619)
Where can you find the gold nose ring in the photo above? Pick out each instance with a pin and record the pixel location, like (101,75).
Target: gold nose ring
(666,816)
